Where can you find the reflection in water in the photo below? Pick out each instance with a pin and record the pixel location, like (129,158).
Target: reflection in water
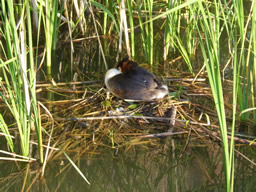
(164,167)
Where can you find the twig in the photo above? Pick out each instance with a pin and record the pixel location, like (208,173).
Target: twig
(69,83)
(32,142)
(128,117)
(185,79)
(16,155)
(15,159)
(241,154)
(50,137)
(203,125)
(164,134)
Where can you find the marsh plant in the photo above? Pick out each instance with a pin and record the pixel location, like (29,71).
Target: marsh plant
(18,70)
(191,28)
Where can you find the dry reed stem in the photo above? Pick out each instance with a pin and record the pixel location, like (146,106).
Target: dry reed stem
(86,126)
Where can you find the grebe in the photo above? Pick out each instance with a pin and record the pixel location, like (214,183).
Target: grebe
(133,83)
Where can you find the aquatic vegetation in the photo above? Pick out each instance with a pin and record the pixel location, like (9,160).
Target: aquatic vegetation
(18,85)
(217,37)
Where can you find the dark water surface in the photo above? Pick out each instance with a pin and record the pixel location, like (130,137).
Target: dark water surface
(167,166)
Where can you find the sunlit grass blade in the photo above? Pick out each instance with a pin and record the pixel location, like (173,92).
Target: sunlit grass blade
(79,7)
(183,52)
(187,3)
(124,24)
(33,114)
(147,25)
(143,33)
(253,35)
(5,130)
(96,4)
(211,52)
(130,10)
(51,10)
(150,36)
(105,20)
(16,101)
(172,27)
(19,74)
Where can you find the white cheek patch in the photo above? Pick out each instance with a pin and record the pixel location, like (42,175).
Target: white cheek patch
(111,73)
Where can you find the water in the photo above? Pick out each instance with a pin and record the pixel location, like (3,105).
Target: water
(163,167)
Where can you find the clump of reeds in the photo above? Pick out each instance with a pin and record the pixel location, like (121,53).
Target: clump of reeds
(205,24)
(19,74)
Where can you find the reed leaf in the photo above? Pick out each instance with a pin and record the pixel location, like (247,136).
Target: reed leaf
(183,52)
(130,10)
(5,130)
(211,53)
(96,4)
(51,10)
(19,74)
(253,35)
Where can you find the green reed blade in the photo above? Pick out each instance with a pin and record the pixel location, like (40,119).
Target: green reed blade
(96,4)
(130,10)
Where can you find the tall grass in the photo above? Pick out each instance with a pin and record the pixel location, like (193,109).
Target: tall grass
(132,40)
(210,46)
(19,70)
(253,42)
(51,30)
(173,38)
(170,30)
(234,26)
(246,32)
(147,29)
(19,74)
